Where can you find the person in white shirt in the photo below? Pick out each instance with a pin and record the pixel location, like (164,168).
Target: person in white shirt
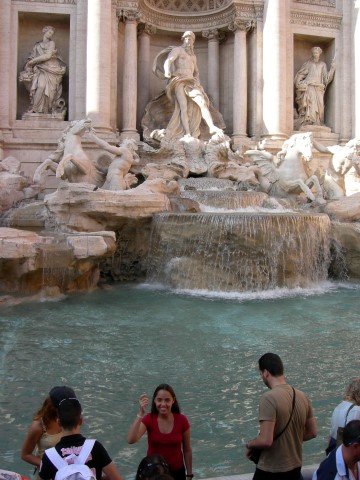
(344,462)
(347,410)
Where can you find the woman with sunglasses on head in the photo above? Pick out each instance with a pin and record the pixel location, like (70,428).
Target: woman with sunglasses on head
(168,431)
(45,431)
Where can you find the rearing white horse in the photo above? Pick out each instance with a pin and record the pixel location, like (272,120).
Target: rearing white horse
(288,174)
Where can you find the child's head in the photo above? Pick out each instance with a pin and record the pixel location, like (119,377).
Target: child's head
(70,413)
(151,466)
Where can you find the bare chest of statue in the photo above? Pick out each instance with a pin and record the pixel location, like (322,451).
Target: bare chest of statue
(185,63)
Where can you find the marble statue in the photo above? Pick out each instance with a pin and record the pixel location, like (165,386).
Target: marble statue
(187,98)
(311,82)
(69,161)
(342,160)
(118,176)
(287,175)
(75,166)
(42,76)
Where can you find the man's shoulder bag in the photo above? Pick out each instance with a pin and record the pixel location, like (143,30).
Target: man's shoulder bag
(256,452)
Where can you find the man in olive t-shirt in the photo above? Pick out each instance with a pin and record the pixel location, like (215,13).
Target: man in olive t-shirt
(280,439)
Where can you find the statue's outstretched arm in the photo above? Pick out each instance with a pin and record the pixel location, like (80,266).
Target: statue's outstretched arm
(103,144)
(321,148)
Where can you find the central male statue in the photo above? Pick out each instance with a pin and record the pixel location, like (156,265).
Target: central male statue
(184,90)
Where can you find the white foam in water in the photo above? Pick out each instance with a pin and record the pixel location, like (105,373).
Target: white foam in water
(277,293)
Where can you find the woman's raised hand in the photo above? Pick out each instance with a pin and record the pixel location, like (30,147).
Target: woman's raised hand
(143,402)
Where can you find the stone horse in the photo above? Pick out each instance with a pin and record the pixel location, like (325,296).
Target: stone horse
(288,175)
(75,166)
(69,161)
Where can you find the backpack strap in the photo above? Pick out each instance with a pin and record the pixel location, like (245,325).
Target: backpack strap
(85,451)
(57,460)
(347,413)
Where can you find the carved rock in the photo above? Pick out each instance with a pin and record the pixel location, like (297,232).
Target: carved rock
(346,209)
(77,207)
(29,261)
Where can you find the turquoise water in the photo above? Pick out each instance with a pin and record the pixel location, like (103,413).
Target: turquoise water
(113,345)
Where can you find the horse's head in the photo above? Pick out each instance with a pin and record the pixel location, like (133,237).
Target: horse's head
(79,127)
(303,142)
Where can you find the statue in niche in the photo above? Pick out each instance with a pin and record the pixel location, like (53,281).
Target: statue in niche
(184,103)
(42,76)
(342,160)
(118,176)
(311,82)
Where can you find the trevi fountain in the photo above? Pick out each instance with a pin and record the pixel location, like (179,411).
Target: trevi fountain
(180,191)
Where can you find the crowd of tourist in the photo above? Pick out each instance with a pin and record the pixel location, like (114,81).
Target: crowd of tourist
(57,449)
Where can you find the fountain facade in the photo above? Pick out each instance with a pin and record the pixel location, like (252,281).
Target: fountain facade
(115,156)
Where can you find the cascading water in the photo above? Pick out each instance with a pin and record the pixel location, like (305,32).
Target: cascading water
(226,199)
(239,251)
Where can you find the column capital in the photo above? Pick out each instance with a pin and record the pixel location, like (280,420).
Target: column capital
(146,28)
(242,25)
(214,34)
(130,15)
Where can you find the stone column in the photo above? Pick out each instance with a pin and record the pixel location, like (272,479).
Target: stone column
(274,68)
(130,18)
(5,52)
(356,39)
(98,90)
(214,37)
(145,31)
(344,123)
(239,28)
(78,64)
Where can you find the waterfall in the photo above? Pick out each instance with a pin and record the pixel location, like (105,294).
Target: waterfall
(239,251)
(227,199)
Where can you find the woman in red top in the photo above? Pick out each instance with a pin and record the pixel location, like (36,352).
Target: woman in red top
(168,431)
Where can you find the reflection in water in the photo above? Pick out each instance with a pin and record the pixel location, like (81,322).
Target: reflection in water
(113,345)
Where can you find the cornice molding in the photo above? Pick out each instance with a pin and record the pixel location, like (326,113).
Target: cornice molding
(61,2)
(331,21)
(320,3)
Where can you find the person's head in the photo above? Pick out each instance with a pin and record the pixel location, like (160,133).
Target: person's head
(316,52)
(188,38)
(48,411)
(270,363)
(59,393)
(152,466)
(164,399)
(70,413)
(354,145)
(351,442)
(352,393)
